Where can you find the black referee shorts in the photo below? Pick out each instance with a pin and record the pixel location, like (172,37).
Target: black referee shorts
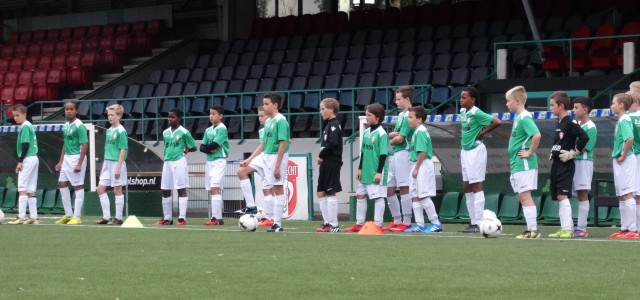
(561,178)
(329,177)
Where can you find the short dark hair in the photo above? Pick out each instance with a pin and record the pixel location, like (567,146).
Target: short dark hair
(406,91)
(274,98)
(177,112)
(473,92)
(377,110)
(560,97)
(218,108)
(584,101)
(420,112)
(74,102)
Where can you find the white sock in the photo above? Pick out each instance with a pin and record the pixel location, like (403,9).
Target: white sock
(564,211)
(216,206)
(33,208)
(478,206)
(583,214)
(66,201)
(407,209)
(183,203)
(268,207)
(418,214)
(278,209)
(167,208)
(361,211)
(247,192)
(623,215)
(394,208)
(530,215)
(378,213)
(631,208)
(637,216)
(106,209)
(323,209)
(22,207)
(119,206)
(79,203)
(430,208)
(471,207)
(332,208)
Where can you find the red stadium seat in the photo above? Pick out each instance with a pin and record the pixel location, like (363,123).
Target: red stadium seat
(39,77)
(628,29)
(34,49)
(24,77)
(44,62)
(26,36)
(10,78)
(14,37)
(122,43)
(91,44)
(80,77)
(15,64)
(62,47)
(580,49)
(108,29)
(111,61)
(123,28)
(89,59)
(602,53)
(79,32)
(66,34)
(138,27)
(20,50)
(53,35)
(47,48)
(153,26)
(23,93)
(106,42)
(76,45)
(59,60)
(7,51)
(45,92)
(73,60)
(94,31)
(4,64)
(142,44)
(57,76)
(30,62)
(7,94)
(1,79)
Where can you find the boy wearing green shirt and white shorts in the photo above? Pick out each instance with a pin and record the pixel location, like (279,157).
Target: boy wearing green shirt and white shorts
(215,144)
(175,170)
(525,138)
(584,163)
(27,168)
(114,166)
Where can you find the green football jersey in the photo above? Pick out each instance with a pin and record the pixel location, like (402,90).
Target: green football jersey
(219,135)
(521,132)
(74,134)
(276,129)
(472,122)
(175,142)
(635,122)
(115,140)
(402,128)
(624,131)
(592,132)
(420,142)
(27,135)
(374,144)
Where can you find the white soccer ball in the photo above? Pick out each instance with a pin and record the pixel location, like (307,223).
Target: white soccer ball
(1,216)
(490,228)
(248,223)
(487,214)
(260,214)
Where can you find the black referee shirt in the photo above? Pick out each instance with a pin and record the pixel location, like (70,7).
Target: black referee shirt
(569,136)
(331,145)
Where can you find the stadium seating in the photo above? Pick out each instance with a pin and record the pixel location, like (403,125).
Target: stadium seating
(449,206)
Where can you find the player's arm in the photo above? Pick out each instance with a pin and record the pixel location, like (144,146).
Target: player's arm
(421,156)
(583,137)
(25,148)
(495,123)
(281,146)
(84,147)
(58,166)
(398,139)
(333,140)
(190,143)
(220,138)
(625,149)
(359,175)
(123,152)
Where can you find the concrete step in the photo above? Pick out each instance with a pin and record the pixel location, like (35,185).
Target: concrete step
(108,77)
(170,43)
(156,51)
(140,60)
(128,68)
(50,110)
(80,94)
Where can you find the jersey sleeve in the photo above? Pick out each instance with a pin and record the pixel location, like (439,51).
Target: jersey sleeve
(25,135)
(626,129)
(283,130)
(421,142)
(82,135)
(483,118)
(123,141)
(189,141)
(205,138)
(405,130)
(221,136)
(592,133)
(529,126)
(383,144)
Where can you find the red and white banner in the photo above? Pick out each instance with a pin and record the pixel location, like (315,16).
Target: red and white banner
(296,190)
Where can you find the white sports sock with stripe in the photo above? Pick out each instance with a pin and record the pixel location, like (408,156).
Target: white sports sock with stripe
(407,209)
(247,192)
(332,208)
(65,194)
(564,211)
(378,213)
(323,208)
(361,211)
(167,208)
(583,215)
(79,203)
(106,208)
(478,206)
(418,213)
(430,208)
(530,214)
(394,208)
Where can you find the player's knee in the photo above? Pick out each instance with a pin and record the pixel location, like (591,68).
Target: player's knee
(182,192)
(79,187)
(63,184)
(166,193)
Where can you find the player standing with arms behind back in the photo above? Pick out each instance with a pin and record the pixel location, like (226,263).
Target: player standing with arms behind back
(584,163)
(524,140)
(330,161)
(27,168)
(475,124)
(175,170)
(215,144)
(73,164)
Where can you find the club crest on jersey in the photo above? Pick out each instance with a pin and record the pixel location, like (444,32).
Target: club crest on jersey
(177,137)
(70,131)
(373,140)
(271,127)
(333,128)
(515,124)
(114,136)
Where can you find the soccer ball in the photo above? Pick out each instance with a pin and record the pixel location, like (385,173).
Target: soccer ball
(487,214)
(490,228)
(248,223)
(1,216)
(260,214)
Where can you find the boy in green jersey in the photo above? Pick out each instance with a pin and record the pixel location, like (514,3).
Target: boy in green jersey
(422,173)
(584,163)
(73,164)
(398,176)
(175,170)
(114,166)
(624,167)
(215,144)
(27,168)
(474,125)
(634,92)
(372,171)
(525,138)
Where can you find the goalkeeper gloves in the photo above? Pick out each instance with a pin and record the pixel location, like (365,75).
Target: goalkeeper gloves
(566,156)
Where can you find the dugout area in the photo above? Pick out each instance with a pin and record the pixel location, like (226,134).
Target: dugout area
(450,203)
(143,166)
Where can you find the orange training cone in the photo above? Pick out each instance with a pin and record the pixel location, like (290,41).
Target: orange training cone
(370,228)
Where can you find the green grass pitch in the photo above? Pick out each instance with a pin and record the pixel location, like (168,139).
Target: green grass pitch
(49,261)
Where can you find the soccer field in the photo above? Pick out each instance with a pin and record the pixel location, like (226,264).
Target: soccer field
(49,261)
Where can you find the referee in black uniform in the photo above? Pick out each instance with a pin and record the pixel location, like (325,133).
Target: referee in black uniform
(330,161)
